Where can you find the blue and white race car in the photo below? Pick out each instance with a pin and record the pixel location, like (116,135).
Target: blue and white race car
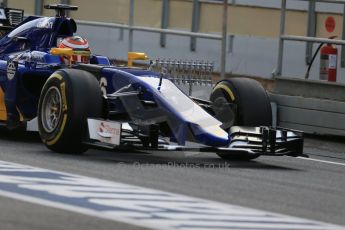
(50,82)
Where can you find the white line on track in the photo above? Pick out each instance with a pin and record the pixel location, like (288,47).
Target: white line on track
(322,161)
(136,205)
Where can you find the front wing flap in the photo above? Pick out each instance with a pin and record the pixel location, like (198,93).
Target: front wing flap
(266,141)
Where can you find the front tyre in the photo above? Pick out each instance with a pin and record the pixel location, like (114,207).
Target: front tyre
(242,102)
(67,99)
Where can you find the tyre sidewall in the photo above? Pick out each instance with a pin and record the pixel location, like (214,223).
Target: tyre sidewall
(51,138)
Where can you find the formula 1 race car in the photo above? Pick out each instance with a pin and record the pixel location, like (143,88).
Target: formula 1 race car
(77,100)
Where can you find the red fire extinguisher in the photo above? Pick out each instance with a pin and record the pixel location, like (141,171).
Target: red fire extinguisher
(328,62)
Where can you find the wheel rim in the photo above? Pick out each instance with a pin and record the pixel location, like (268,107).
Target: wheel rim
(51,111)
(224,113)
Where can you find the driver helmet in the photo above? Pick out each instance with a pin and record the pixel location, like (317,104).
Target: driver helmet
(80,47)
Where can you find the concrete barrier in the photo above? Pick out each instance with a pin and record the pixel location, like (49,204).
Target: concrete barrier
(312,106)
(317,116)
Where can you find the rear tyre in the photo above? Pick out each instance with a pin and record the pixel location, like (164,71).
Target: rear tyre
(242,102)
(67,99)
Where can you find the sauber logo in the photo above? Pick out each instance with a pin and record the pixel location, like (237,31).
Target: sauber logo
(107,131)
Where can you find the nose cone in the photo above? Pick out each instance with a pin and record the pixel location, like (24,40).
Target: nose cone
(210,135)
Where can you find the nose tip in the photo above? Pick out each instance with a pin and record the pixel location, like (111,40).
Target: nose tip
(211,135)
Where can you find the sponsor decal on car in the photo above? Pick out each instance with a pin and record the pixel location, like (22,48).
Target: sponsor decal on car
(11,70)
(103,83)
(105,131)
(45,23)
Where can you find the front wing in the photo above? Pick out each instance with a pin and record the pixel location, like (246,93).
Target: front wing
(243,140)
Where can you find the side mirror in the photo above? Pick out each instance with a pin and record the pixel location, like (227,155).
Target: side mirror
(61,51)
(21,39)
(68,52)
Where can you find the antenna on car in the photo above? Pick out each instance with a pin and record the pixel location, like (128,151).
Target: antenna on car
(61,9)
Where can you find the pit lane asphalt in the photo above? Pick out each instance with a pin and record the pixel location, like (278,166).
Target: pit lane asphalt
(293,186)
